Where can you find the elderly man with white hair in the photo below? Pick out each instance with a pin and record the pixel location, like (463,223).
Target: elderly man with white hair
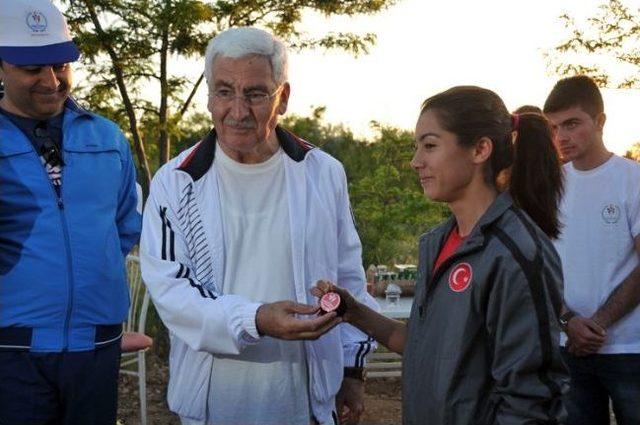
(237,229)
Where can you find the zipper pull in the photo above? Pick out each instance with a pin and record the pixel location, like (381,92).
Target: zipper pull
(60,204)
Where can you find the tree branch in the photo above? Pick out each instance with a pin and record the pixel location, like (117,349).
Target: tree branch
(133,123)
(187,102)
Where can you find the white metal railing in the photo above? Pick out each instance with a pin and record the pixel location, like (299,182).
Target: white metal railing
(135,363)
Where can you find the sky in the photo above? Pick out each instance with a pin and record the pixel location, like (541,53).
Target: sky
(426,46)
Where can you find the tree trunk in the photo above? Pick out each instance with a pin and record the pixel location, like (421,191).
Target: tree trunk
(145,178)
(187,102)
(163,138)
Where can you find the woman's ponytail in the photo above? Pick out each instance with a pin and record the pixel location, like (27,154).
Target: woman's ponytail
(536,181)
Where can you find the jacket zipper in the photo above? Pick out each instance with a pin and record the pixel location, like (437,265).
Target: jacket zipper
(70,291)
(67,243)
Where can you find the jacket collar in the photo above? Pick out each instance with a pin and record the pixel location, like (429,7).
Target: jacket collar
(21,143)
(501,204)
(198,162)
(73,105)
(478,235)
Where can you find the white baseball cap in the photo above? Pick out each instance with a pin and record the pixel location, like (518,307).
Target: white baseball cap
(34,32)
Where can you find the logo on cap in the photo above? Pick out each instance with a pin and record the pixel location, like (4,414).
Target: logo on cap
(460,277)
(37,21)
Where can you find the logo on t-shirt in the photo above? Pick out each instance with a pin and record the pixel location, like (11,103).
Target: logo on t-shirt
(460,277)
(611,213)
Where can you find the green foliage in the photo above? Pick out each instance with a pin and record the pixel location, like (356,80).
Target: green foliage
(387,201)
(610,38)
(633,152)
(190,130)
(127,46)
(389,205)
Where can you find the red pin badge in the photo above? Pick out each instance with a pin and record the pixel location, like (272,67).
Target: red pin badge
(460,277)
(331,301)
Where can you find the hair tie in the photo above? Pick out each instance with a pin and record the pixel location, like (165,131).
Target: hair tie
(515,122)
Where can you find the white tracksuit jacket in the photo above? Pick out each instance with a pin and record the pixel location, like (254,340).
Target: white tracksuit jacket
(182,257)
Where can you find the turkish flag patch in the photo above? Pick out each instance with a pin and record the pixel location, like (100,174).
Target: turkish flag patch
(460,277)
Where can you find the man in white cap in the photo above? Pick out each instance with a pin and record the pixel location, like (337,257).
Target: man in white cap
(68,217)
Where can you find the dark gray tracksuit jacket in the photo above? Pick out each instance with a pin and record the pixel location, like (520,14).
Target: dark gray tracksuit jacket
(483,336)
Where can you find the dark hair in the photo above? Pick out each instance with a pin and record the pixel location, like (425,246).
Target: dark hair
(579,91)
(532,109)
(529,168)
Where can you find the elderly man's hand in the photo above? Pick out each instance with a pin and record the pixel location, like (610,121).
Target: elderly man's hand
(350,401)
(585,336)
(279,321)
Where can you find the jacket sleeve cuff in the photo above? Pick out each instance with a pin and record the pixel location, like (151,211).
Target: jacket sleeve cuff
(356,350)
(248,318)
(241,320)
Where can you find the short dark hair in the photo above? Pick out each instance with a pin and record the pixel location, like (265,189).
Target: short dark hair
(579,90)
(529,109)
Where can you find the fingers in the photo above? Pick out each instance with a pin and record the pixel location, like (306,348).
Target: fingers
(344,414)
(304,308)
(317,292)
(279,320)
(312,335)
(341,291)
(295,328)
(326,328)
(590,337)
(586,331)
(580,347)
(351,414)
(355,412)
(596,329)
(324,286)
(314,328)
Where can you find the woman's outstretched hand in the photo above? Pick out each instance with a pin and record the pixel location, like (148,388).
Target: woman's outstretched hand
(352,305)
(389,332)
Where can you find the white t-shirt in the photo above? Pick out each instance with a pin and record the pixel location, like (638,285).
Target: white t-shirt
(268,382)
(600,214)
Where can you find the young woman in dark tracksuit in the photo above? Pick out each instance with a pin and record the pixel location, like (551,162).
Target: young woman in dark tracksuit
(481,344)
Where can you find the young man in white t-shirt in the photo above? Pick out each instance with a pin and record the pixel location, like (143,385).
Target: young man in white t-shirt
(600,252)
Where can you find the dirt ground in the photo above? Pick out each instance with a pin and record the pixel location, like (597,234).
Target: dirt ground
(382,399)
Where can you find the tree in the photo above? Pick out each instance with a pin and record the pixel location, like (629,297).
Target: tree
(633,152)
(611,37)
(388,203)
(129,44)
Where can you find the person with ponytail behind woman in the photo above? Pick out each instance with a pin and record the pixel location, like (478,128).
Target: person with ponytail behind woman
(481,343)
